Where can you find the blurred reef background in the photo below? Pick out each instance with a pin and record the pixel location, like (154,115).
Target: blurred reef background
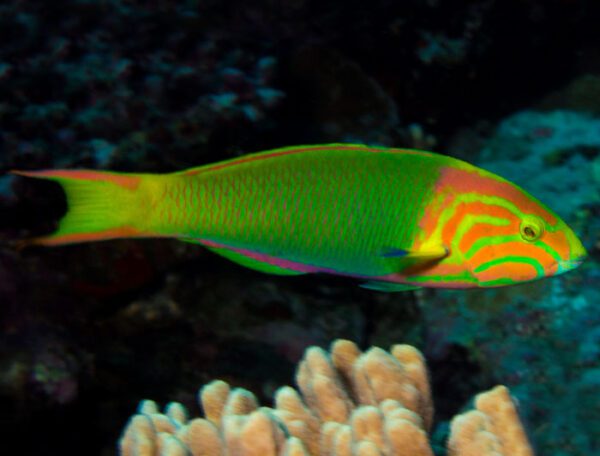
(89,330)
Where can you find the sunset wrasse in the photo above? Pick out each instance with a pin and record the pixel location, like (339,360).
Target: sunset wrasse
(394,218)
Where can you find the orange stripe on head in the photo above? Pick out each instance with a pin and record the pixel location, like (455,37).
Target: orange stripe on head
(559,242)
(472,208)
(479,228)
(518,271)
(482,230)
(475,180)
(486,253)
(431,216)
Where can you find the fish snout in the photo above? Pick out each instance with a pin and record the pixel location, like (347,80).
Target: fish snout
(576,259)
(567,265)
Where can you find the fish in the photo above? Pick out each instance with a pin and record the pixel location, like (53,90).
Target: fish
(395,219)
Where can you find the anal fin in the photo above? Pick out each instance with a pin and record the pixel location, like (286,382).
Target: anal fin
(246,261)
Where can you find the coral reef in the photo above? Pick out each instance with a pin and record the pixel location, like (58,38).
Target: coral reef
(564,144)
(348,402)
(582,94)
(98,95)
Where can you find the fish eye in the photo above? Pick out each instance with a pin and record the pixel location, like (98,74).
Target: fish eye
(531,228)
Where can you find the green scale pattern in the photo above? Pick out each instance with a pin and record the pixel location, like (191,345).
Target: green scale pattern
(336,209)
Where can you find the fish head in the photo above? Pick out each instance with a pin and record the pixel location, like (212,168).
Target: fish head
(499,234)
(523,241)
(535,249)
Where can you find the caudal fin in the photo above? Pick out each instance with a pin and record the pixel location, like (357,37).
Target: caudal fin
(101,205)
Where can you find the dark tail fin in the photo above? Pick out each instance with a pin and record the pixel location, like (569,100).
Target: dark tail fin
(101,205)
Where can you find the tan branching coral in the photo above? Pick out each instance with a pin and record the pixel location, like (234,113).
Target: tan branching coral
(493,428)
(348,403)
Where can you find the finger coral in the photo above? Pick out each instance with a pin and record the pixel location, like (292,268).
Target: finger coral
(493,428)
(348,403)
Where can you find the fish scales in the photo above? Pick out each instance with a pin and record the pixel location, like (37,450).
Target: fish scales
(289,214)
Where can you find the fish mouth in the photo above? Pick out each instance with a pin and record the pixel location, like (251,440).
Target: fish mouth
(567,265)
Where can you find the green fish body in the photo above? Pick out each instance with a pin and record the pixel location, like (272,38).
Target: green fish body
(396,218)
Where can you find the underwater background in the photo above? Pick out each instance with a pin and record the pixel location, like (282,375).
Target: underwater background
(87,331)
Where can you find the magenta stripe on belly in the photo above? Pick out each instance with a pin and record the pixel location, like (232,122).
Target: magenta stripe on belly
(275,261)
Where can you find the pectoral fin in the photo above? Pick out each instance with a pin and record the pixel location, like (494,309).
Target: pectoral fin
(401,260)
(427,253)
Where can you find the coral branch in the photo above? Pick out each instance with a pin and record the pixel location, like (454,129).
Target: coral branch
(493,428)
(348,403)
